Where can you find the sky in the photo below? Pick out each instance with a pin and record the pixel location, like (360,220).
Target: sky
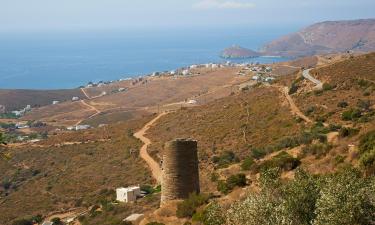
(61,15)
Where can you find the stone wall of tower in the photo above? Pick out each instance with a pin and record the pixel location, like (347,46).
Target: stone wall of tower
(180,175)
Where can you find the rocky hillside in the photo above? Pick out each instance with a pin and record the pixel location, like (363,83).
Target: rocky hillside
(326,37)
(237,52)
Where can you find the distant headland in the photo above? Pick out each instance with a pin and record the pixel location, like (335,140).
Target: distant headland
(238,52)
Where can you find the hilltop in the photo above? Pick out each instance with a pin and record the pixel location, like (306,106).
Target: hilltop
(238,52)
(326,37)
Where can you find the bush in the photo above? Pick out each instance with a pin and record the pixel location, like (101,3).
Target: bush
(23,222)
(351,114)
(57,221)
(247,163)
(258,153)
(293,88)
(188,207)
(348,132)
(336,199)
(283,161)
(342,104)
(328,87)
(345,199)
(225,159)
(364,104)
(238,180)
(319,149)
(223,187)
(367,152)
(213,214)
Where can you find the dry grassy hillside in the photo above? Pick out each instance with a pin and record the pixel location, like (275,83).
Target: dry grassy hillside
(148,95)
(18,99)
(239,123)
(46,178)
(351,81)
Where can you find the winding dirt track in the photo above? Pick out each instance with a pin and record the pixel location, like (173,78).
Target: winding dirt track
(153,165)
(293,107)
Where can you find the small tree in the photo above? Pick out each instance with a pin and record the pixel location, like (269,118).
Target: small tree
(345,199)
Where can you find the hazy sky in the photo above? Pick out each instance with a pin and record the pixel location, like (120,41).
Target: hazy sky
(45,15)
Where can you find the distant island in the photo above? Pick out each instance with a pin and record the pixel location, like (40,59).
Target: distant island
(238,52)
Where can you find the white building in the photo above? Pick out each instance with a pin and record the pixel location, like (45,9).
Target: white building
(55,102)
(129,194)
(22,126)
(192,102)
(185,72)
(74,99)
(173,72)
(2,109)
(255,78)
(193,66)
(82,127)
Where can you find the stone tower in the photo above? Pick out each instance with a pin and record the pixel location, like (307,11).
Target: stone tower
(180,175)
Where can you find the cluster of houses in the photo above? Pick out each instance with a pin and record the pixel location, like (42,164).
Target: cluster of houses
(79,127)
(22,111)
(2,109)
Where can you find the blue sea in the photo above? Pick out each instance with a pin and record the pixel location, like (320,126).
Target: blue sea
(71,59)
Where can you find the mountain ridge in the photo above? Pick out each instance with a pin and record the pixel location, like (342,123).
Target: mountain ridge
(326,37)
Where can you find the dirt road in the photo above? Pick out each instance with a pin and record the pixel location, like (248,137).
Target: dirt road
(293,107)
(318,83)
(154,166)
(92,108)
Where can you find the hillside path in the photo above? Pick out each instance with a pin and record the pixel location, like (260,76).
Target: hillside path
(306,74)
(153,165)
(97,111)
(294,108)
(84,92)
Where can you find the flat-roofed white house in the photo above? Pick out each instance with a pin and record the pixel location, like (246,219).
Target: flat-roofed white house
(128,194)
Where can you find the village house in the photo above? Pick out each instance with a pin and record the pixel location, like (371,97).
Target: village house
(55,102)
(22,125)
(2,109)
(128,194)
(185,72)
(74,99)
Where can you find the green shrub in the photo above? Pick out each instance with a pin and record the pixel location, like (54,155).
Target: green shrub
(223,187)
(293,88)
(283,161)
(238,180)
(364,104)
(214,177)
(225,159)
(328,87)
(57,221)
(213,214)
(23,222)
(258,153)
(367,152)
(348,132)
(319,149)
(342,104)
(247,163)
(188,207)
(351,114)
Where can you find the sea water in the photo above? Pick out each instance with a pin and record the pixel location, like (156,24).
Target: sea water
(71,59)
